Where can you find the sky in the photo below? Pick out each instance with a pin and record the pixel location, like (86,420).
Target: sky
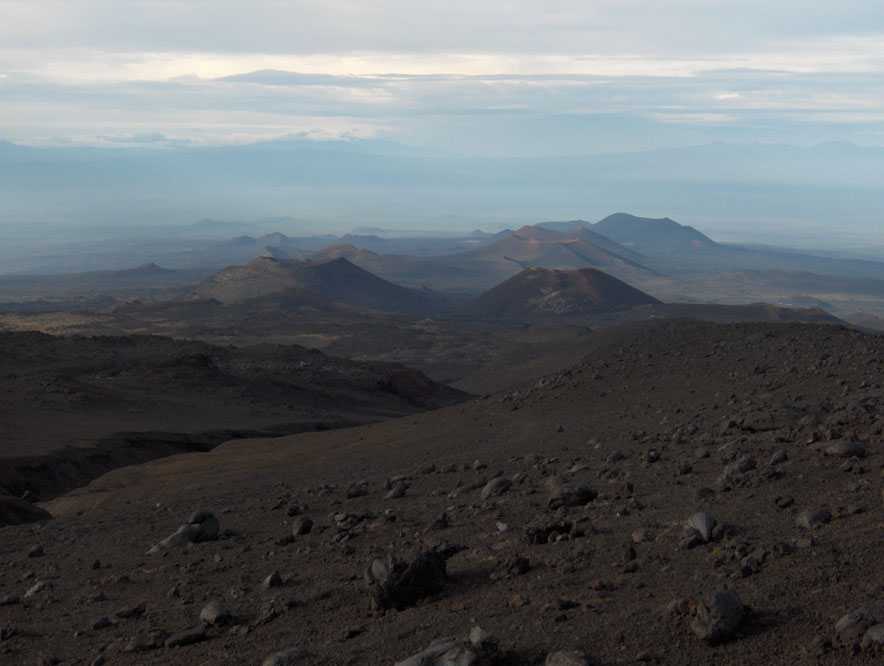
(487,77)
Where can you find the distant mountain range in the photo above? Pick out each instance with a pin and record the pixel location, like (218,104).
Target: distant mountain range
(383,184)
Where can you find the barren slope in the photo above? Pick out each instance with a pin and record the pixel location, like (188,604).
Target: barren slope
(750,423)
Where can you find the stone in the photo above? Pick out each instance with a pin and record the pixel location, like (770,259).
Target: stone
(874,637)
(856,622)
(642,535)
(704,523)
(145,641)
(812,519)
(846,449)
(480,649)
(289,657)
(186,637)
(778,457)
(213,613)
(397,490)
(563,494)
(496,488)
(37,588)
(36,551)
(200,527)
(718,617)
(302,526)
(131,612)
(273,580)
(393,583)
(566,658)
(102,623)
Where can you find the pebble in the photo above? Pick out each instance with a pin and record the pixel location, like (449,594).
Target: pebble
(288,657)
(214,613)
(846,449)
(496,488)
(302,526)
(566,658)
(704,523)
(186,637)
(273,580)
(812,519)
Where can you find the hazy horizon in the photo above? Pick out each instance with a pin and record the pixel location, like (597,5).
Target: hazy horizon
(756,123)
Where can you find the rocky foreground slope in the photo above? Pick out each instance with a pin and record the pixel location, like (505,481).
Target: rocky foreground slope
(687,494)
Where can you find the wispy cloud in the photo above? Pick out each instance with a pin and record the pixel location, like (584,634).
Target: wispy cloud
(456,74)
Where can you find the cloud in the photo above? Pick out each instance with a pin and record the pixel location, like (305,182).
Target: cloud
(455,74)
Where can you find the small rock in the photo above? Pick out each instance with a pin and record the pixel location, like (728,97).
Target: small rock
(36,551)
(642,535)
(812,519)
(778,457)
(718,617)
(273,580)
(186,637)
(704,523)
(566,658)
(874,637)
(289,657)
(131,612)
(302,526)
(213,613)
(846,449)
(143,642)
(102,623)
(496,488)
(568,494)
(37,588)
(397,490)
(855,623)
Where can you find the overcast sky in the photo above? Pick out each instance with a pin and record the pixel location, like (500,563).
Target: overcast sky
(504,77)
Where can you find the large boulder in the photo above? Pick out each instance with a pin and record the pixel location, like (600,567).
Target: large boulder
(718,617)
(394,583)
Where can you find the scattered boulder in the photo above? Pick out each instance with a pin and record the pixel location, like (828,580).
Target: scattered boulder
(812,519)
(562,494)
(186,637)
(700,528)
(846,449)
(543,530)
(289,657)
(393,583)
(302,526)
(859,620)
(201,526)
(213,613)
(273,580)
(874,637)
(37,588)
(15,511)
(397,490)
(718,617)
(496,488)
(479,649)
(566,658)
